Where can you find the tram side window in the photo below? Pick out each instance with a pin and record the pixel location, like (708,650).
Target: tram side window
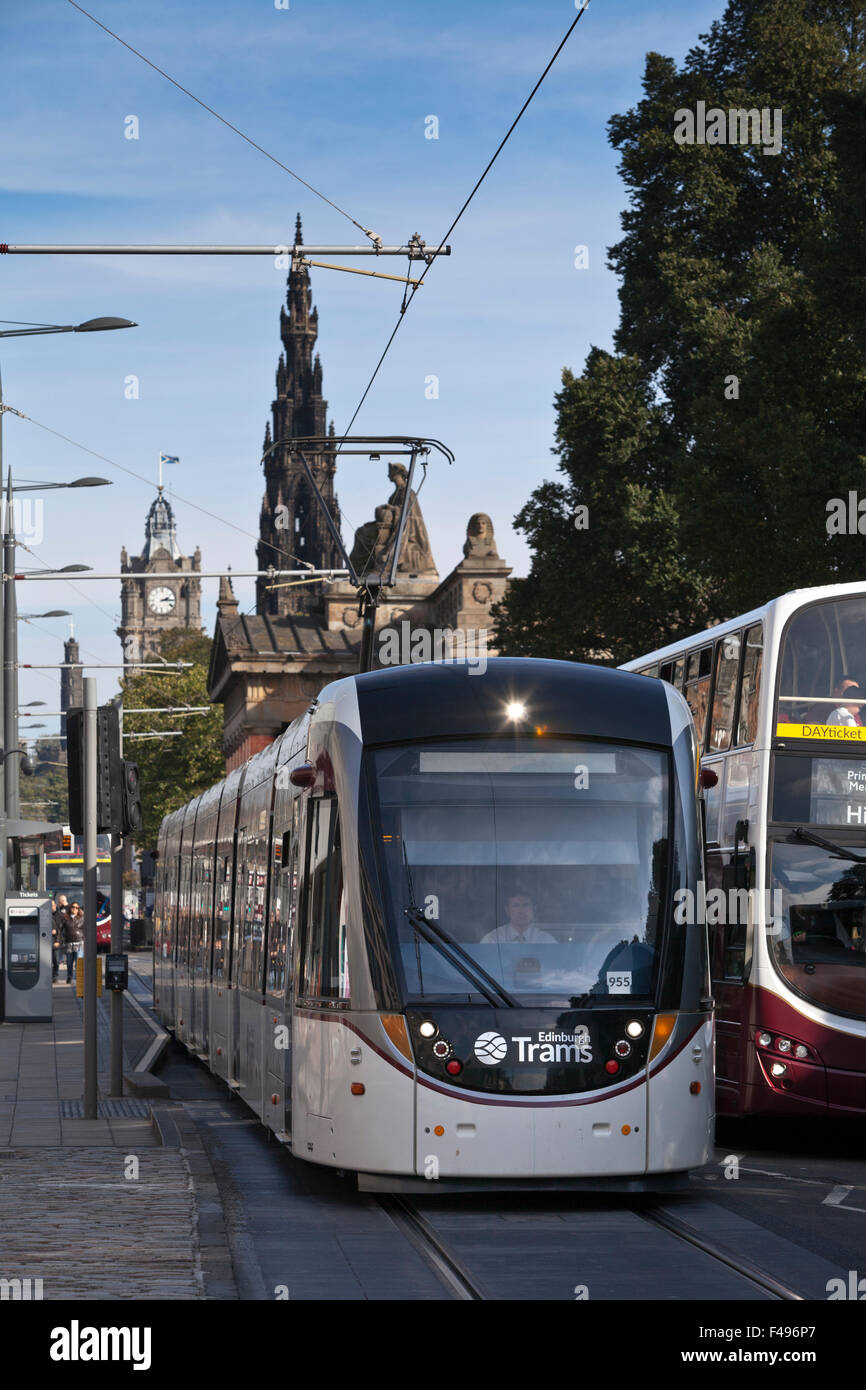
(283,853)
(222,917)
(253,920)
(324,967)
(724,692)
(697,687)
(750,685)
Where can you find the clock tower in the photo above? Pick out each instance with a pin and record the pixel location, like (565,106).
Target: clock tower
(154,606)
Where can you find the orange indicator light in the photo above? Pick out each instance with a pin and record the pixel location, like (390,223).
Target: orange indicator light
(626,1129)
(695,1088)
(358,1088)
(439,1129)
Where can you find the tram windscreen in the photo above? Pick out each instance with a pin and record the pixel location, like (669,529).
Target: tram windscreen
(545,862)
(817,936)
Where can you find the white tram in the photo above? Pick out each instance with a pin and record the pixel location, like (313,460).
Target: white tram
(428,932)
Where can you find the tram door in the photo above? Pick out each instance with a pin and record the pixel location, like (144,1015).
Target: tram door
(278,1045)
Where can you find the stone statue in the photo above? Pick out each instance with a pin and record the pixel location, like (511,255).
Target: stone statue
(480,541)
(374,541)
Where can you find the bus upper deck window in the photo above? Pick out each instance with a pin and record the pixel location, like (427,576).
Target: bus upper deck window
(750,686)
(697,688)
(724,692)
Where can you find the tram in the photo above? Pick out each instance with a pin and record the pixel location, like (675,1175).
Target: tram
(778,697)
(427,933)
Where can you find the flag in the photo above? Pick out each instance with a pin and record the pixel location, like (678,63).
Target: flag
(168,458)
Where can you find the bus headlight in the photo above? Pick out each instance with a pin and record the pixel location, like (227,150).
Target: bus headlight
(783,1044)
(778,1069)
(765,1039)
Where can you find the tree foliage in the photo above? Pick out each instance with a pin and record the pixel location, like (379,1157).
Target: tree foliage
(173,770)
(709,443)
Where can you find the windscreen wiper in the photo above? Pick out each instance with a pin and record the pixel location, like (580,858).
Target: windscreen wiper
(460,960)
(839,850)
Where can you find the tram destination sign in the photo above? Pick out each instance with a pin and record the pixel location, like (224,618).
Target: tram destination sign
(820,791)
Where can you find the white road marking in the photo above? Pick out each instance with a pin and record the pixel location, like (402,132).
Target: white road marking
(837,1199)
(837,1196)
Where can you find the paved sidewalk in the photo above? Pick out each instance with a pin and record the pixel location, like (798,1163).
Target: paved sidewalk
(113,1208)
(42,1082)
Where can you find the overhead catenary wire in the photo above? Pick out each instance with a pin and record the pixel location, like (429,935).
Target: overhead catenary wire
(203,104)
(142,478)
(500,147)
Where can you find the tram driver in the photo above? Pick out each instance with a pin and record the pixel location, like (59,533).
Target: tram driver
(520,927)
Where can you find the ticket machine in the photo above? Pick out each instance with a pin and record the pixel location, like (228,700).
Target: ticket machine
(26,957)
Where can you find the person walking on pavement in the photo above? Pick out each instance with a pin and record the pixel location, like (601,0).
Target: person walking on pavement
(74,938)
(58,927)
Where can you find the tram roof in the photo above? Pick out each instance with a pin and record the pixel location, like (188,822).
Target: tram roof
(436,700)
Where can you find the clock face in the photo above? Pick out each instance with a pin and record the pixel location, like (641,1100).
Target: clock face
(161,600)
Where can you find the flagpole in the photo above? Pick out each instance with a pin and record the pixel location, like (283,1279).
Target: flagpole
(160,474)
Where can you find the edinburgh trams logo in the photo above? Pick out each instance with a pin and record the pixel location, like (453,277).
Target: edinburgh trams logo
(546,1046)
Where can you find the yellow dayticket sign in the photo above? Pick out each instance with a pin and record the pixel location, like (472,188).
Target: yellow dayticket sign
(841,733)
(79,976)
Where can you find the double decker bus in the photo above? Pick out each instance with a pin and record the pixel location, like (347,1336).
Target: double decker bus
(64,873)
(778,698)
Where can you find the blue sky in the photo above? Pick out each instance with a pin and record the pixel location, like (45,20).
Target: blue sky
(338,91)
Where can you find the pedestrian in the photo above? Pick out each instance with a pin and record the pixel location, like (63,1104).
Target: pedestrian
(74,938)
(58,927)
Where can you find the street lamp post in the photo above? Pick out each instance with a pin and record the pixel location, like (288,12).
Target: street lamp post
(10,825)
(10,626)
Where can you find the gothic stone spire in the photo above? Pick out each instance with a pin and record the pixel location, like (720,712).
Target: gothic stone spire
(292,529)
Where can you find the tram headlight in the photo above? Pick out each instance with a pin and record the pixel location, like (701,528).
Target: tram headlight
(634,1029)
(783,1044)
(428,1029)
(765,1039)
(778,1069)
(801,1051)
(515,710)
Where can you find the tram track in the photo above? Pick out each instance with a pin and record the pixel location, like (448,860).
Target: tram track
(424,1238)
(752,1273)
(463,1285)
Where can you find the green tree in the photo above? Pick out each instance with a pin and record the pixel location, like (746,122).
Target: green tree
(173,770)
(740,354)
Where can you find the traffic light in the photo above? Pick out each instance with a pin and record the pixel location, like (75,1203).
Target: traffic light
(109,770)
(118,797)
(131,809)
(75,767)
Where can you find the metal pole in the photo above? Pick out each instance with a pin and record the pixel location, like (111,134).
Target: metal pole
(162,575)
(10,655)
(116,1088)
(2,670)
(414,253)
(90,734)
(3,841)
